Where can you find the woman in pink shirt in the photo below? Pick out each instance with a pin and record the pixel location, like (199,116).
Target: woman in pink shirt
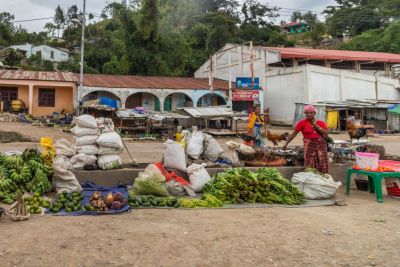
(314,133)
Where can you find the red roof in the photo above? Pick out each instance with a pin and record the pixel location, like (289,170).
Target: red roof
(37,75)
(345,55)
(144,82)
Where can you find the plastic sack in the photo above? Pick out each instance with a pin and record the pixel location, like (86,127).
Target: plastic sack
(85,140)
(80,160)
(88,150)
(64,147)
(212,149)
(174,156)
(111,139)
(150,184)
(195,146)
(86,121)
(109,162)
(315,186)
(175,188)
(63,178)
(109,151)
(105,125)
(82,131)
(233,155)
(198,177)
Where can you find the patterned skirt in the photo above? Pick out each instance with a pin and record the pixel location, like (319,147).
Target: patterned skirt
(316,154)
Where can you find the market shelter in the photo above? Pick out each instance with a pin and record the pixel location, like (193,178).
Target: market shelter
(41,92)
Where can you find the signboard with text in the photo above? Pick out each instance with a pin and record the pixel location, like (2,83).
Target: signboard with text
(244,95)
(246,83)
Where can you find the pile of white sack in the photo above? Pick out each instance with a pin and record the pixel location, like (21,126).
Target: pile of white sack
(110,146)
(85,137)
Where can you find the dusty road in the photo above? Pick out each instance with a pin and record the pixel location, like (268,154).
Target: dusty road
(364,233)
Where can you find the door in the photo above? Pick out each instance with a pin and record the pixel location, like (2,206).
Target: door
(168,103)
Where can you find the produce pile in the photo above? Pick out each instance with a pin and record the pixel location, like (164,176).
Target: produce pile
(69,202)
(25,173)
(35,203)
(152,201)
(266,185)
(207,201)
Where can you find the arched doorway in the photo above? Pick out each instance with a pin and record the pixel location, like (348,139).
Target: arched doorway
(103,97)
(177,100)
(211,100)
(146,100)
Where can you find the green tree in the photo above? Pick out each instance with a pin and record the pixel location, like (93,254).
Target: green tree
(59,19)
(6,28)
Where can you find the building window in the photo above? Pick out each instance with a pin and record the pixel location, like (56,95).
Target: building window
(52,54)
(47,97)
(8,93)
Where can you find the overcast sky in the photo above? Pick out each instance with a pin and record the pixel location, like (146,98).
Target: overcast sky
(33,9)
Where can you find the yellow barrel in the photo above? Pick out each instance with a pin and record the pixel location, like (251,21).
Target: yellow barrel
(16,105)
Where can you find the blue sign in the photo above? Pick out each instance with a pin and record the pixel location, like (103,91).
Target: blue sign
(245,82)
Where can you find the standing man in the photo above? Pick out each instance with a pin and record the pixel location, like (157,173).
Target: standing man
(254,126)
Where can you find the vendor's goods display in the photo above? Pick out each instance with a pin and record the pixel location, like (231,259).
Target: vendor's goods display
(150,184)
(68,202)
(266,185)
(152,201)
(206,201)
(35,204)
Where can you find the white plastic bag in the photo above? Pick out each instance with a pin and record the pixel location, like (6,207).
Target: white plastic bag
(110,139)
(64,147)
(109,151)
(198,177)
(246,150)
(105,125)
(88,150)
(80,160)
(315,186)
(174,156)
(63,178)
(82,131)
(86,121)
(195,146)
(212,149)
(109,162)
(85,140)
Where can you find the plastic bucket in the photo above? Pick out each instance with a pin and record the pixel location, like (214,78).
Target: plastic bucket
(367,160)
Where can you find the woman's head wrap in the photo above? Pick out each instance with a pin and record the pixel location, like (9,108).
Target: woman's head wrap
(310,108)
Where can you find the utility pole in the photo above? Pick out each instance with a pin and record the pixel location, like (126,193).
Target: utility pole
(83,22)
(230,79)
(211,78)
(252,64)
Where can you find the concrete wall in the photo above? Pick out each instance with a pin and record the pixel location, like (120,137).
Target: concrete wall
(45,51)
(63,100)
(312,84)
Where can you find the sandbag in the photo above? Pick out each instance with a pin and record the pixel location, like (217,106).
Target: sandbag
(109,162)
(174,156)
(85,140)
(82,131)
(88,149)
(86,121)
(109,151)
(105,125)
(198,177)
(212,149)
(315,186)
(195,146)
(110,139)
(64,147)
(63,179)
(80,160)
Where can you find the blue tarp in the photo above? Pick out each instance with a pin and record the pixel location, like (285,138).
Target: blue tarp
(108,102)
(88,188)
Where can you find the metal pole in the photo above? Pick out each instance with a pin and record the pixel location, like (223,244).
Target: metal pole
(230,80)
(252,64)
(82,48)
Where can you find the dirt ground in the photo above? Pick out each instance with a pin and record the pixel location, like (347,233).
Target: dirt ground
(362,233)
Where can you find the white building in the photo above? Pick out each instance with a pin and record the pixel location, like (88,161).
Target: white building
(45,51)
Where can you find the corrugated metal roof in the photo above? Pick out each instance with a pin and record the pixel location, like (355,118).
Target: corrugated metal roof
(220,111)
(37,75)
(151,82)
(346,55)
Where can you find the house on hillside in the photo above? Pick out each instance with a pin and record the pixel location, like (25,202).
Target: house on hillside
(295,27)
(46,52)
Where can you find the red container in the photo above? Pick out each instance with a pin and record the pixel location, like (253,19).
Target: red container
(393,190)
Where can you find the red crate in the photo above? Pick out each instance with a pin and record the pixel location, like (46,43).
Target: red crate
(393,190)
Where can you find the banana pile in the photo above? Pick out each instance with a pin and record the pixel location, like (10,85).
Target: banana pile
(25,173)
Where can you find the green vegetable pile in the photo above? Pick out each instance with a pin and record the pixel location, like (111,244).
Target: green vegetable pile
(266,185)
(70,202)
(207,201)
(153,184)
(25,173)
(152,201)
(35,202)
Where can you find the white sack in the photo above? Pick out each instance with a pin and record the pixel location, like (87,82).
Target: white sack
(88,150)
(174,156)
(110,139)
(64,147)
(315,186)
(198,177)
(195,145)
(80,160)
(82,131)
(109,151)
(85,140)
(109,162)
(152,169)
(86,121)
(105,125)
(212,149)
(63,178)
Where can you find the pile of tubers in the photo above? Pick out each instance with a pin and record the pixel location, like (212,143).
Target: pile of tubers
(114,201)
(97,202)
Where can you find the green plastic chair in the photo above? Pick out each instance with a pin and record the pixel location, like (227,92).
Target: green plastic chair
(374,179)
